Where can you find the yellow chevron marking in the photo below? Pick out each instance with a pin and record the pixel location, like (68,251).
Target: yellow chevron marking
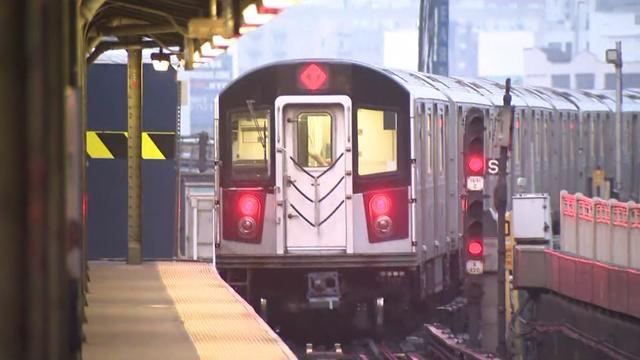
(96,148)
(149,148)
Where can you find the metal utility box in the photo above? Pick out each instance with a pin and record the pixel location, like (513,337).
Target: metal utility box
(198,218)
(531,218)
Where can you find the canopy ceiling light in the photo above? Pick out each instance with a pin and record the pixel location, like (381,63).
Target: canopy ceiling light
(251,16)
(207,51)
(274,6)
(160,61)
(220,41)
(245,29)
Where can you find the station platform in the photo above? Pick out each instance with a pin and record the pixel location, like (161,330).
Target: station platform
(171,310)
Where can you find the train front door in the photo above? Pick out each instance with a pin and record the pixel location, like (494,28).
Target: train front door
(313,173)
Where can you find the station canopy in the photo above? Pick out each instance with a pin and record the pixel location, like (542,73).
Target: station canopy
(194,31)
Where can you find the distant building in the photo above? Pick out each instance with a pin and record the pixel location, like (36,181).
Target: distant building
(549,67)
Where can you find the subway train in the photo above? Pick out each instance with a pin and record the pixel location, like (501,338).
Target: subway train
(340,185)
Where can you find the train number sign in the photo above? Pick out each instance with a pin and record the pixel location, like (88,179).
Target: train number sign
(475,183)
(475,267)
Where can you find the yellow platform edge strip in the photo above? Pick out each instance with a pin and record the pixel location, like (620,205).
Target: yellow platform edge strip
(219,322)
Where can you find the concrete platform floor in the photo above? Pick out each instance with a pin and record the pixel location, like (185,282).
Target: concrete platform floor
(131,316)
(172,310)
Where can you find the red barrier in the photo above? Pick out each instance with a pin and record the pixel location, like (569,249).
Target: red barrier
(618,291)
(603,212)
(600,293)
(620,214)
(568,204)
(567,269)
(583,285)
(634,216)
(585,209)
(633,278)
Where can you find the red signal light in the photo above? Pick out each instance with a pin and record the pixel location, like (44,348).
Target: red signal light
(313,77)
(248,205)
(475,163)
(475,248)
(380,204)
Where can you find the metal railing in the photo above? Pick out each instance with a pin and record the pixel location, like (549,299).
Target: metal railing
(604,230)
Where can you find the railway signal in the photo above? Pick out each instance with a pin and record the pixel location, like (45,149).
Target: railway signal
(473,235)
(203,141)
(474,170)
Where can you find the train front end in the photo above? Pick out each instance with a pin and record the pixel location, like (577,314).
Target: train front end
(314,191)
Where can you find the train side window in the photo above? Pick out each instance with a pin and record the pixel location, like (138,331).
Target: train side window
(377,141)
(429,145)
(441,140)
(518,140)
(314,140)
(250,145)
(592,138)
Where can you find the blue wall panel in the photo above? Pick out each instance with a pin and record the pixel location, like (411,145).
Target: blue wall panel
(107,179)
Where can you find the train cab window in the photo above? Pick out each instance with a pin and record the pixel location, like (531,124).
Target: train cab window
(377,141)
(250,145)
(314,146)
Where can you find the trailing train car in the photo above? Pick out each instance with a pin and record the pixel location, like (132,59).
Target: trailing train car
(341,185)
(630,133)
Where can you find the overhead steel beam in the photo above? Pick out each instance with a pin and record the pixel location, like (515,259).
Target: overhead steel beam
(114,45)
(134,101)
(89,9)
(141,29)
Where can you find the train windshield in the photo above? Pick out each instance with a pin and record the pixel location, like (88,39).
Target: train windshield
(377,141)
(250,156)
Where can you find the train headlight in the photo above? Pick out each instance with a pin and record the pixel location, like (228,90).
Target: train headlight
(247,226)
(383,225)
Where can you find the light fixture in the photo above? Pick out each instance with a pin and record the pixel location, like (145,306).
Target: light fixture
(160,61)
(274,6)
(222,42)
(207,51)
(245,29)
(251,16)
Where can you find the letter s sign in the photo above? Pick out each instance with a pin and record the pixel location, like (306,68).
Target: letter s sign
(493,166)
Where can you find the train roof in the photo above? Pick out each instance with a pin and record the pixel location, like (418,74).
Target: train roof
(532,98)
(454,89)
(494,91)
(630,100)
(582,101)
(558,101)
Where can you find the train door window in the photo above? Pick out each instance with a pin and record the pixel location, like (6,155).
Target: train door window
(250,155)
(631,132)
(592,138)
(518,137)
(429,144)
(377,141)
(601,137)
(572,133)
(441,140)
(314,146)
(545,139)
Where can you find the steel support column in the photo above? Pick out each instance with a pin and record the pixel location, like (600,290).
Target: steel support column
(14,244)
(618,127)
(134,114)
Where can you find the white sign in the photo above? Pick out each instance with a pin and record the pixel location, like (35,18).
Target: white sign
(475,183)
(475,267)
(493,166)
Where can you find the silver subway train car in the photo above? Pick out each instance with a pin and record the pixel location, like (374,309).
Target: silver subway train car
(340,185)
